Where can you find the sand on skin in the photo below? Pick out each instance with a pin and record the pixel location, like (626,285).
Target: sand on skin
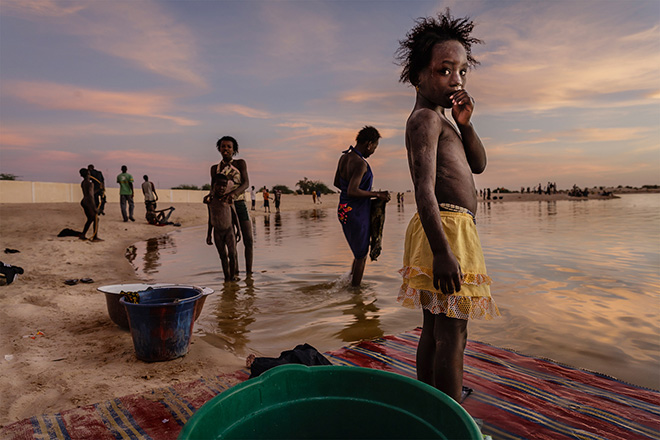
(83,357)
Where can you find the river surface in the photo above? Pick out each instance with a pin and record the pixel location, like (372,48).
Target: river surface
(575,281)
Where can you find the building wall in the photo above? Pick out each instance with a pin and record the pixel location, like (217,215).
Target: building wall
(15,191)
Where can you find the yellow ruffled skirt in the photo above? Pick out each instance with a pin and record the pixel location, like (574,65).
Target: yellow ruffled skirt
(474,300)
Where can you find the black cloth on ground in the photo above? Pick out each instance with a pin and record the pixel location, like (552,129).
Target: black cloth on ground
(9,272)
(303,354)
(66,232)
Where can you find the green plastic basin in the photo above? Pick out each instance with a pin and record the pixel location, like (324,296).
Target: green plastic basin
(331,402)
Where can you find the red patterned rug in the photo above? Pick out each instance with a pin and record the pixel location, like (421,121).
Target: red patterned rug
(516,397)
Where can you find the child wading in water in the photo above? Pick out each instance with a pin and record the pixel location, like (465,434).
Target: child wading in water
(222,224)
(443,265)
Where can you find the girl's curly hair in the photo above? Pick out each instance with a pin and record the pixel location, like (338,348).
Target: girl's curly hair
(414,52)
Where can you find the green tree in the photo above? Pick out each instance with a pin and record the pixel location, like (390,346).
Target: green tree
(285,189)
(321,188)
(190,187)
(307,186)
(7,176)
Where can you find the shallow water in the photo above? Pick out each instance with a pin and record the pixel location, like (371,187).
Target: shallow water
(576,281)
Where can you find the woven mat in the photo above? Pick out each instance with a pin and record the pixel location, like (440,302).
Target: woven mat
(516,396)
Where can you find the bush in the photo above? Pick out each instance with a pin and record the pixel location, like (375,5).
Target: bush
(285,189)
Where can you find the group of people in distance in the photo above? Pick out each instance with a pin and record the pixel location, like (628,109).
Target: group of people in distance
(94,200)
(443,272)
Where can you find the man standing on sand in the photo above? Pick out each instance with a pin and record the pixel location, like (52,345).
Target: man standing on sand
(150,196)
(253,196)
(354,179)
(99,188)
(444,271)
(88,206)
(126,193)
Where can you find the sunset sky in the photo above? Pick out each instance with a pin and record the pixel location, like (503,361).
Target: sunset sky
(567,91)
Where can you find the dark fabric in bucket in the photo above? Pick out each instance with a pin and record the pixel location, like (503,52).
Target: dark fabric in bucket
(303,354)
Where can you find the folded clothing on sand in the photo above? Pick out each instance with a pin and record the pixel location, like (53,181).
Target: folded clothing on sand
(9,273)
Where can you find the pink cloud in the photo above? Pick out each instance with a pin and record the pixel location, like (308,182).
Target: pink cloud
(242,110)
(69,97)
(12,138)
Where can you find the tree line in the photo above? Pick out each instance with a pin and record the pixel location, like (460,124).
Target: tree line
(305,186)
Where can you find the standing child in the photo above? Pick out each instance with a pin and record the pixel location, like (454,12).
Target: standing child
(266,195)
(443,265)
(222,226)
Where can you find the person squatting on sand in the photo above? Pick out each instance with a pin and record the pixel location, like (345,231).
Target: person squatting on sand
(126,193)
(89,206)
(236,171)
(443,271)
(222,221)
(354,179)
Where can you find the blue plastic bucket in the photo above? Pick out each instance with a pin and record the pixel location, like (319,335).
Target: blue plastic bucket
(161,323)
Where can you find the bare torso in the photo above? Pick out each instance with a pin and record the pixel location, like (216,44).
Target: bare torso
(220,214)
(454,181)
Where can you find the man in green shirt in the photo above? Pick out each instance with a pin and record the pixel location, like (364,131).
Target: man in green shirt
(125,182)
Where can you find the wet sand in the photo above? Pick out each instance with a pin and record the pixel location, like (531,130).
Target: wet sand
(81,356)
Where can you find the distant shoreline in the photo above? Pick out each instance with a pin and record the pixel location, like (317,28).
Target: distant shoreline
(563,195)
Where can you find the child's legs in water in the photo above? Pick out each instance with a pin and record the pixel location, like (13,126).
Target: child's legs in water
(225,243)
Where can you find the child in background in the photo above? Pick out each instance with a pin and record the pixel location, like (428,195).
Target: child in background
(89,206)
(222,225)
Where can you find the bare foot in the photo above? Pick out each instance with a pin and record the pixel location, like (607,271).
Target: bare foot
(96,239)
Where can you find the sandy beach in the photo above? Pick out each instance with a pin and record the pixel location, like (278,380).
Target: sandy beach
(59,348)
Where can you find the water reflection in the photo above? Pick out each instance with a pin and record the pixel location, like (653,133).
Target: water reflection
(366,322)
(234,312)
(151,259)
(313,214)
(278,228)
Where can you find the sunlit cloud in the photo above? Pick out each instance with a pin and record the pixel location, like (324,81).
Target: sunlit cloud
(605,134)
(40,8)
(358,96)
(68,97)
(142,32)
(241,110)
(576,67)
(11,138)
(531,130)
